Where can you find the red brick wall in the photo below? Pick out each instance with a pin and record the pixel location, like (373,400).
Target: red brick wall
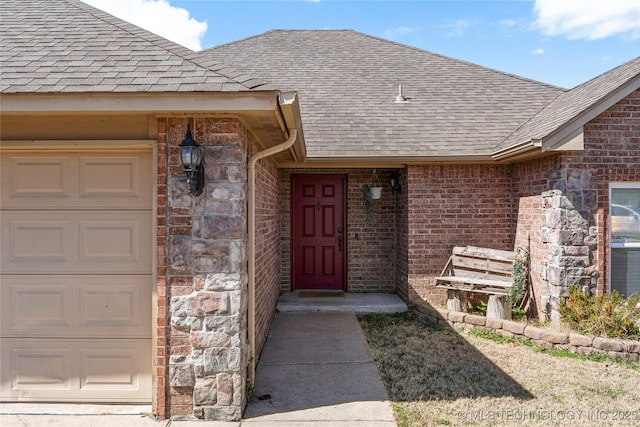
(268,253)
(160,361)
(611,154)
(402,238)
(453,205)
(371,245)
(529,181)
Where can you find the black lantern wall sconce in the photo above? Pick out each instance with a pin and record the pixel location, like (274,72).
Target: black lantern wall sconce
(191,159)
(394,182)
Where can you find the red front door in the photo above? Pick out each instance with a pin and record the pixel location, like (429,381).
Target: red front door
(318,231)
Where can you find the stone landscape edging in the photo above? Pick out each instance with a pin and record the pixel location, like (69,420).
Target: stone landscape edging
(548,339)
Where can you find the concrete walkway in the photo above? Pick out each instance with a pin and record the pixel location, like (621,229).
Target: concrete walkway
(315,371)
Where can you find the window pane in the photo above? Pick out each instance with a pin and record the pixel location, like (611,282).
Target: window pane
(625,215)
(625,270)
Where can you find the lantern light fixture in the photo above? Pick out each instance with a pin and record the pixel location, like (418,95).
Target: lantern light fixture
(394,182)
(191,158)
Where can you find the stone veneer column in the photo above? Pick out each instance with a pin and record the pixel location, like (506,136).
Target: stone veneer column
(208,349)
(571,240)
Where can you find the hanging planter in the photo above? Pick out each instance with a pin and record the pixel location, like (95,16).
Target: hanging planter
(376,192)
(370,192)
(374,186)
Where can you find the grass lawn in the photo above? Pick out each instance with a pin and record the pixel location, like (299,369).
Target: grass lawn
(440,376)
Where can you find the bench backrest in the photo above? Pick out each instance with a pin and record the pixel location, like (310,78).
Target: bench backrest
(471,261)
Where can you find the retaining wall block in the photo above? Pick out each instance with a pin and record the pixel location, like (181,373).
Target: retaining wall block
(631,346)
(580,340)
(457,316)
(475,319)
(555,337)
(494,323)
(608,344)
(513,327)
(533,332)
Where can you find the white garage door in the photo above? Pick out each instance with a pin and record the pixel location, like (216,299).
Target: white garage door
(76,276)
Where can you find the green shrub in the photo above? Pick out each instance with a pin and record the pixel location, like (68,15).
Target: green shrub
(610,316)
(520,281)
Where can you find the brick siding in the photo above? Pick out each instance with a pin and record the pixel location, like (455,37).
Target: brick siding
(611,154)
(453,205)
(529,181)
(268,250)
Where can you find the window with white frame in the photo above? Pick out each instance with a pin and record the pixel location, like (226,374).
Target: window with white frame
(625,237)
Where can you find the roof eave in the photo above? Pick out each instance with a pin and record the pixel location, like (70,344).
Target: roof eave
(566,134)
(524,149)
(383,161)
(139,102)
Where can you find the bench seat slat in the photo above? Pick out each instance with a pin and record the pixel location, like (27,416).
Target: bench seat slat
(485,265)
(475,281)
(495,254)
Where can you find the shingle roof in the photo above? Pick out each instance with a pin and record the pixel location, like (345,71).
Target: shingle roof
(348,82)
(571,104)
(65,46)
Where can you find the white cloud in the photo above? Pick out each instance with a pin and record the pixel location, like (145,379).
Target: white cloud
(457,28)
(508,23)
(159,17)
(588,19)
(392,33)
(538,51)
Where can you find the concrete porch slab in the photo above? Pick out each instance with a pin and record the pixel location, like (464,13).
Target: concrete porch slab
(359,303)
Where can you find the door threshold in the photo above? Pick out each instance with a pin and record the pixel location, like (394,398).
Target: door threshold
(19,408)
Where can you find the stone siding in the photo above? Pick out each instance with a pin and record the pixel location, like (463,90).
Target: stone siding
(202,329)
(571,241)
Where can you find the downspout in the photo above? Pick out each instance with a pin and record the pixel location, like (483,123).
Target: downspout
(251,249)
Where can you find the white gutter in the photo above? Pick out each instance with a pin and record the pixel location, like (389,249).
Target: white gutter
(251,245)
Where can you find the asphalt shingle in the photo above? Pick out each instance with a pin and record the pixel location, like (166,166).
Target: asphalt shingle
(67,46)
(572,103)
(348,82)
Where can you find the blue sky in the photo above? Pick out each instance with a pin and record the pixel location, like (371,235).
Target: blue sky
(562,42)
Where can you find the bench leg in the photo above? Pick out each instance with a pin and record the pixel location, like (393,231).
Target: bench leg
(456,301)
(498,307)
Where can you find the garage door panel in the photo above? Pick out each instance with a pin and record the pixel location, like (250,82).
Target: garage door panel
(40,369)
(45,240)
(106,370)
(109,181)
(35,306)
(109,177)
(76,242)
(76,306)
(37,177)
(108,306)
(109,241)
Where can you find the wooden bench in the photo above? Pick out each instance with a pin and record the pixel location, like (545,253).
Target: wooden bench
(479,270)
